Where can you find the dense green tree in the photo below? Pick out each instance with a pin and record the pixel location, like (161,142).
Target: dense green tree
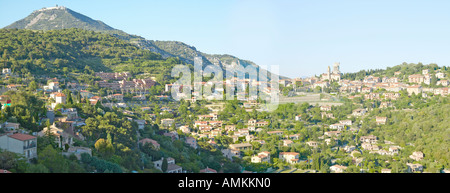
(12,161)
(104,148)
(231,168)
(37,168)
(53,160)
(164,165)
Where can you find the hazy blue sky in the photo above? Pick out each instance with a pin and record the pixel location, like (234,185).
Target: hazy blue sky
(302,37)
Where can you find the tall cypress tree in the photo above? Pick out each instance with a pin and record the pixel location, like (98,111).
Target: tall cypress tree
(164,165)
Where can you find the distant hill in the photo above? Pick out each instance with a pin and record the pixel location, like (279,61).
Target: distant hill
(63,18)
(406,69)
(59,18)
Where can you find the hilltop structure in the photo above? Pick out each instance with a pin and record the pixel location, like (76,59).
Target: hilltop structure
(334,75)
(52,8)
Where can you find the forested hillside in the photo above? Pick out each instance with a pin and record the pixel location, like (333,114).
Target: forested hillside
(72,50)
(406,69)
(423,128)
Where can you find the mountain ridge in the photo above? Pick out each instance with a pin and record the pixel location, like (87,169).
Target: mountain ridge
(56,18)
(61,17)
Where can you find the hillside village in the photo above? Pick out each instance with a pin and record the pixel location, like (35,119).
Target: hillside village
(120,115)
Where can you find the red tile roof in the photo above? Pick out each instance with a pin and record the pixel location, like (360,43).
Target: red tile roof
(147,140)
(289,153)
(2,171)
(60,95)
(21,137)
(172,167)
(208,170)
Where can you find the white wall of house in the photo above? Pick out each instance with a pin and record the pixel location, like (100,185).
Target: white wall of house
(17,146)
(12,145)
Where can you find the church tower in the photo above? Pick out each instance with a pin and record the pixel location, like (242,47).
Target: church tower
(329,73)
(336,68)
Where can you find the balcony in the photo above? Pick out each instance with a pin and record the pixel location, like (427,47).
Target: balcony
(32,145)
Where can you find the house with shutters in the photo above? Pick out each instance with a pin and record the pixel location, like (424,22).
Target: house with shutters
(241,146)
(346,122)
(359,112)
(412,168)
(289,157)
(417,155)
(369,139)
(313,144)
(381,120)
(261,157)
(167,122)
(62,135)
(338,126)
(338,168)
(171,166)
(416,89)
(148,140)
(23,144)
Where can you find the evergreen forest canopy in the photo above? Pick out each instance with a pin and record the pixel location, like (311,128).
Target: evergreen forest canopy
(405,68)
(57,52)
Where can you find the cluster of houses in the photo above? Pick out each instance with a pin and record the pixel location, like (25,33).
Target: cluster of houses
(62,127)
(371,83)
(214,89)
(120,82)
(208,126)
(171,167)
(323,81)
(17,140)
(370,143)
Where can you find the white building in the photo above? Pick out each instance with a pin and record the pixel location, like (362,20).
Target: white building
(141,123)
(171,166)
(414,167)
(417,155)
(289,157)
(60,98)
(338,168)
(261,157)
(53,86)
(61,136)
(6,71)
(20,143)
(167,122)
